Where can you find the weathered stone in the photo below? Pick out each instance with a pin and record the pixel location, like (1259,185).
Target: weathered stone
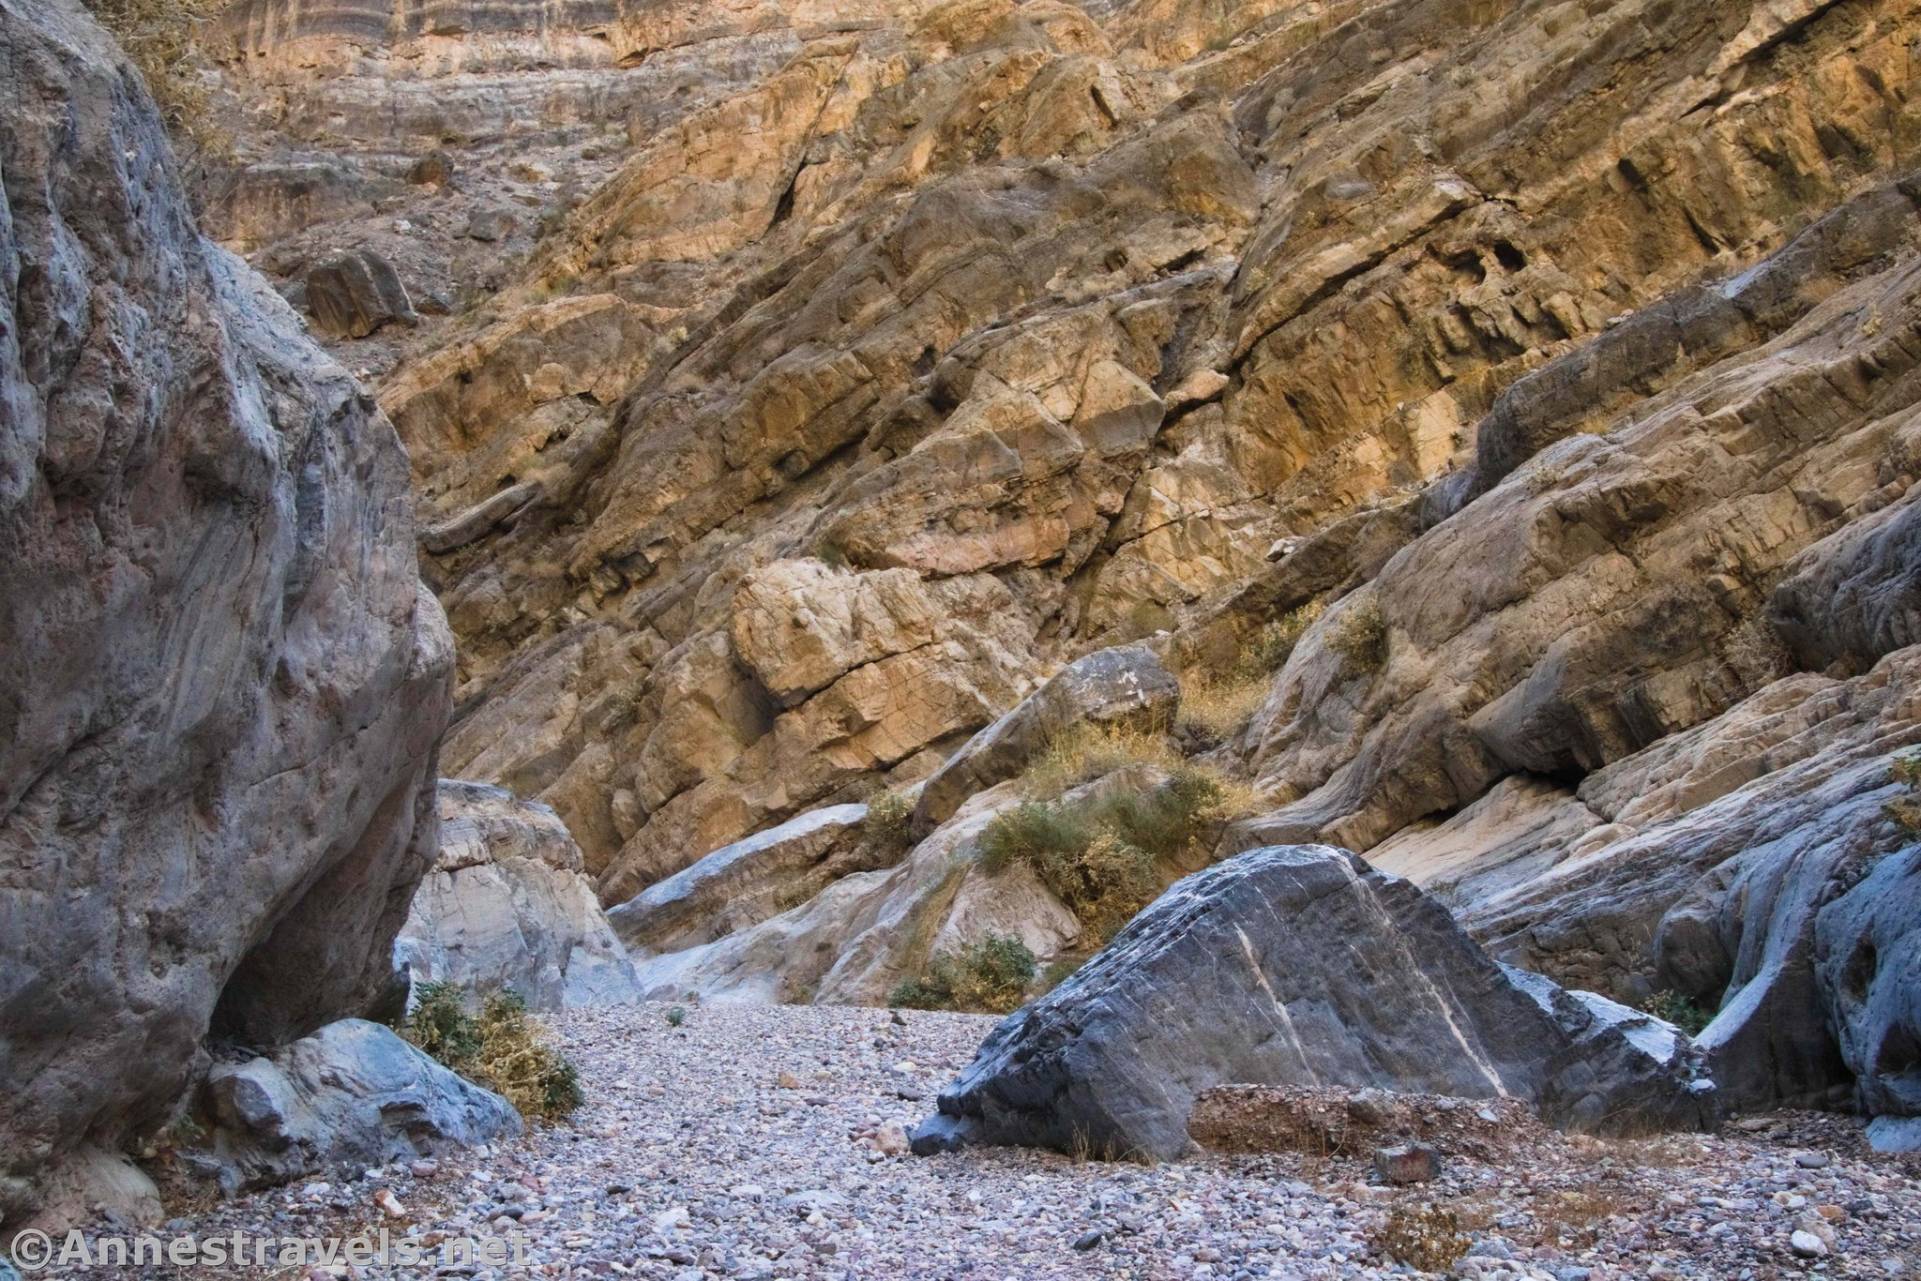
(351,1092)
(509,905)
(351,294)
(1406,1163)
(1301,966)
(224,682)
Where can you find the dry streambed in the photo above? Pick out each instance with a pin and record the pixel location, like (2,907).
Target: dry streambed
(765,1142)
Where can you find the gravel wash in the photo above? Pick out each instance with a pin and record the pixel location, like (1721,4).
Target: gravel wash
(766,1141)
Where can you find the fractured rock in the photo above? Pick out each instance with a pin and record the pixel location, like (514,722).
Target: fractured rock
(508,905)
(351,1092)
(352,294)
(1302,966)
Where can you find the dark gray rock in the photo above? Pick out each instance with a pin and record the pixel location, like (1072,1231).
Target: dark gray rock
(1301,965)
(352,294)
(1119,686)
(224,683)
(353,1092)
(509,905)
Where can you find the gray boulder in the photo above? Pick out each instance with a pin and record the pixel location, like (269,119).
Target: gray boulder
(1126,685)
(352,1093)
(224,684)
(354,293)
(1303,966)
(1867,948)
(509,905)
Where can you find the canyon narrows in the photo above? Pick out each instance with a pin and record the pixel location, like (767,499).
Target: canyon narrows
(1353,567)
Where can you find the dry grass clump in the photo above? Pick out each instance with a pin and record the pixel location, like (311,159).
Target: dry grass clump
(1360,636)
(1427,1238)
(1268,650)
(161,38)
(502,1048)
(1906,812)
(1085,752)
(1214,710)
(1572,1220)
(990,975)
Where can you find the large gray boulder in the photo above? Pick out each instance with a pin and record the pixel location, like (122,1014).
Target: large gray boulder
(1867,948)
(352,1093)
(1302,966)
(354,293)
(1126,685)
(223,683)
(509,905)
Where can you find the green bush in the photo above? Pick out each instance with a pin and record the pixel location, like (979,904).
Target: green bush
(1030,833)
(1100,857)
(502,1048)
(1672,1007)
(990,975)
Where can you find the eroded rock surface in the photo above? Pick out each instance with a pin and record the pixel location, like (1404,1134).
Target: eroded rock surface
(508,905)
(353,1092)
(224,682)
(1301,966)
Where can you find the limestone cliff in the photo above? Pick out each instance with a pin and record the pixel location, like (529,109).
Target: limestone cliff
(224,683)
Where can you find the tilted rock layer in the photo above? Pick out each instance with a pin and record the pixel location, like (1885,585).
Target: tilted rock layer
(224,684)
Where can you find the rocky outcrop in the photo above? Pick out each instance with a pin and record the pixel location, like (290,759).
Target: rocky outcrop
(1122,688)
(350,295)
(352,1093)
(508,906)
(224,684)
(1301,966)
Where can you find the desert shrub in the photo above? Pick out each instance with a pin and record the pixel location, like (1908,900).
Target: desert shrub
(1360,636)
(161,39)
(1427,1238)
(1906,812)
(502,1048)
(889,821)
(676,1016)
(1099,856)
(1031,832)
(1059,970)
(1268,650)
(990,975)
(1086,751)
(1679,1010)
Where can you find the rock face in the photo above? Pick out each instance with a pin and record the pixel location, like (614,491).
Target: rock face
(1117,687)
(1300,966)
(900,356)
(351,1092)
(507,905)
(224,684)
(350,295)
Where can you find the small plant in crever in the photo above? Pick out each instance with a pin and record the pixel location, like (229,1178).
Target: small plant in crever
(989,975)
(1428,1238)
(502,1048)
(1269,649)
(1673,1007)
(1906,812)
(889,822)
(1360,636)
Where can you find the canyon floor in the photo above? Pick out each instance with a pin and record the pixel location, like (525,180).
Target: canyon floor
(750,1141)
